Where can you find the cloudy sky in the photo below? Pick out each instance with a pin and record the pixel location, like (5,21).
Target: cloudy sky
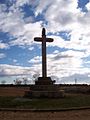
(66,21)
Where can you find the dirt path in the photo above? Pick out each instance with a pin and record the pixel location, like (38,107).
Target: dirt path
(62,115)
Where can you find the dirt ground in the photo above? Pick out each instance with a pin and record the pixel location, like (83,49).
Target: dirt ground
(13,91)
(61,115)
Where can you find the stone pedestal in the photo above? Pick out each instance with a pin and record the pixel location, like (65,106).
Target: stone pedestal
(44,81)
(44,88)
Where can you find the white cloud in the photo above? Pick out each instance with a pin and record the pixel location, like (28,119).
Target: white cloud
(76,79)
(27,36)
(31,48)
(62,64)
(42,6)
(70,19)
(22,2)
(14,60)
(21,29)
(2,55)
(35,60)
(11,70)
(61,15)
(4,45)
(13,23)
(88,6)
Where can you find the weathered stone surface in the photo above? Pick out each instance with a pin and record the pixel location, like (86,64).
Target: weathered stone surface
(44,91)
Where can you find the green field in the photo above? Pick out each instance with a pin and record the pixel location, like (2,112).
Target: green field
(68,101)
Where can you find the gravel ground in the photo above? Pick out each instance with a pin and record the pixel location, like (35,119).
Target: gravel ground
(62,115)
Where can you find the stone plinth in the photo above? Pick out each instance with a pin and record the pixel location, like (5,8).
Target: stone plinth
(44,88)
(44,81)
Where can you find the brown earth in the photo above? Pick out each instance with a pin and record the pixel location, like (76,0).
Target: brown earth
(13,91)
(62,115)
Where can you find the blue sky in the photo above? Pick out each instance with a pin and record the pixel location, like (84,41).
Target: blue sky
(66,21)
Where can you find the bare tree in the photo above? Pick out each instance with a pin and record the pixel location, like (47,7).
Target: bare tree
(25,80)
(35,76)
(17,81)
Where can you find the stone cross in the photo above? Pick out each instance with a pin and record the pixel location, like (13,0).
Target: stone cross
(43,39)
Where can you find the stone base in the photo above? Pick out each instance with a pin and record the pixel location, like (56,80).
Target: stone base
(44,91)
(44,81)
(44,88)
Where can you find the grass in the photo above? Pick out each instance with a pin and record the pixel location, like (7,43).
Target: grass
(66,102)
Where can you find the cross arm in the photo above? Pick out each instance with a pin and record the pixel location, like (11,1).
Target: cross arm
(49,40)
(39,39)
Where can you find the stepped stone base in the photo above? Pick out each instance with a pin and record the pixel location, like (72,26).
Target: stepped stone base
(44,88)
(44,94)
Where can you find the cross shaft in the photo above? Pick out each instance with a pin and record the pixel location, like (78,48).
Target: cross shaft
(43,39)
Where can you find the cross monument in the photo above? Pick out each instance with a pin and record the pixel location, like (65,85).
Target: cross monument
(43,39)
(44,86)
